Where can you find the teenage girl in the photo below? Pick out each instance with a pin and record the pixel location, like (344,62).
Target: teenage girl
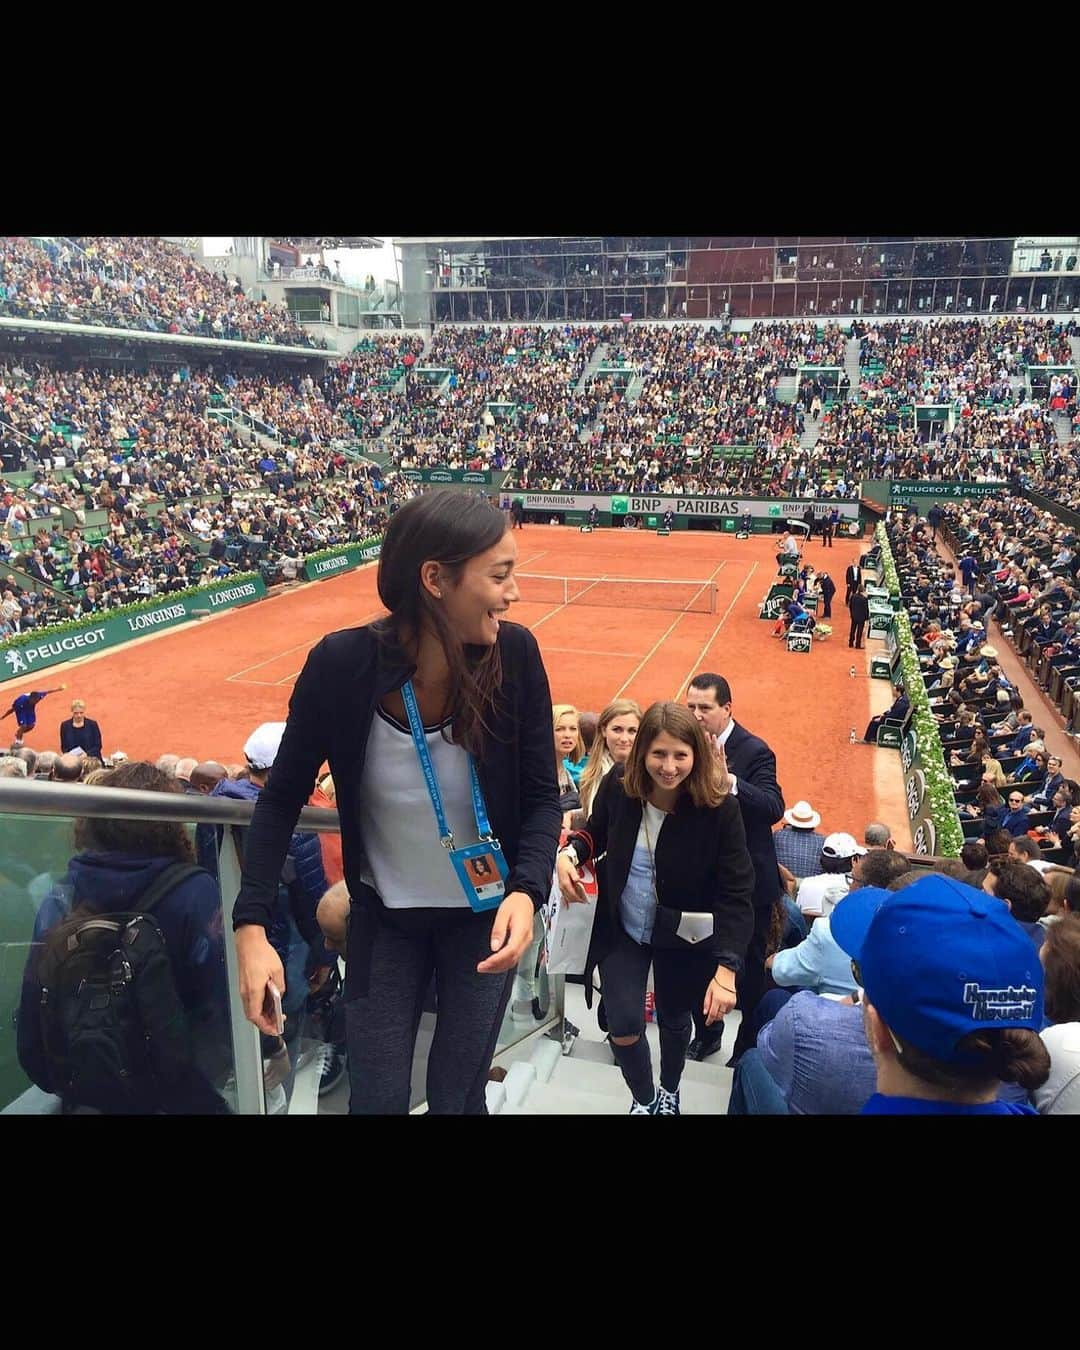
(675,893)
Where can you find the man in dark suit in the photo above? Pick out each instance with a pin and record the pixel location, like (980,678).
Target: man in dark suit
(751,767)
(828,590)
(897,713)
(851,580)
(859,606)
(80,732)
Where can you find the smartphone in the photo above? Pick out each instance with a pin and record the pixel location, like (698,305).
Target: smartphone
(272,1007)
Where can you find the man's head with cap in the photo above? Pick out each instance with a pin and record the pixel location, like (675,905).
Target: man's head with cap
(838,852)
(946,971)
(261,747)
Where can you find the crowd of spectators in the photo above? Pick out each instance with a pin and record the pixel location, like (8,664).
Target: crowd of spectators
(973,368)
(661,400)
(664,403)
(657,416)
(134,282)
(1018,566)
(187,497)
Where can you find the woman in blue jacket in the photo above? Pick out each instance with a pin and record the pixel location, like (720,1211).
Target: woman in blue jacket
(436,722)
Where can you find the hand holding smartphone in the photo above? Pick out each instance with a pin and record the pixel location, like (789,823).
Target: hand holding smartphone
(272,1007)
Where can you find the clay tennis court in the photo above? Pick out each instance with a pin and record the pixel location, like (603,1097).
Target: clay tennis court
(633,620)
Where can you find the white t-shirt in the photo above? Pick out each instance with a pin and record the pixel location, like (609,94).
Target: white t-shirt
(406,863)
(821,894)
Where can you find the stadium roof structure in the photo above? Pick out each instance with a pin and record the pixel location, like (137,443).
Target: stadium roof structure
(467,238)
(328,241)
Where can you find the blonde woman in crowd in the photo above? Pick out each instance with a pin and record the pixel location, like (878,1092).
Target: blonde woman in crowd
(615,733)
(570,756)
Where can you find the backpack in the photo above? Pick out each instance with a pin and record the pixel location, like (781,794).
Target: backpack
(114,1032)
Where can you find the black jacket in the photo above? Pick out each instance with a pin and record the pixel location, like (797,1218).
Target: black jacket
(330,714)
(762,805)
(701,862)
(88,736)
(859,608)
(851,576)
(899,710)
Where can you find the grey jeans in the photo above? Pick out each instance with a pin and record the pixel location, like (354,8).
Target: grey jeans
(399,950)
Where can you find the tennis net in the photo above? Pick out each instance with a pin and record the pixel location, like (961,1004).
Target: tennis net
(688,597)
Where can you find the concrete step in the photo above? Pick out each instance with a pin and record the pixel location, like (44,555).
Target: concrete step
(596,1089)
(710,1078)
(547,1099)
(811,435)
(711,1071)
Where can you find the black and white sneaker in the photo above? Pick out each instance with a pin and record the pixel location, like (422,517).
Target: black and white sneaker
(334,1063)
(667,1103)
(640,1109)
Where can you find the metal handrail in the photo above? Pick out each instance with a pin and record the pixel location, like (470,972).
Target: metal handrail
(33,797)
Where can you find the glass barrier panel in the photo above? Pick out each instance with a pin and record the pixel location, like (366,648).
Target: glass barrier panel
(81,979)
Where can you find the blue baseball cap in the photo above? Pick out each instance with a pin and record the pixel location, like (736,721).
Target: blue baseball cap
(939,960)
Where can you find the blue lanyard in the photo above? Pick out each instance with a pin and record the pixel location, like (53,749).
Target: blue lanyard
(416,726)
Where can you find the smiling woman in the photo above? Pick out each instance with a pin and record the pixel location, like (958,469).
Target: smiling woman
(675,894)
(430,719)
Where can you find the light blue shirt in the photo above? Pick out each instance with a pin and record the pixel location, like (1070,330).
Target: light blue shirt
(637,904)
(817,963)
(816,1052)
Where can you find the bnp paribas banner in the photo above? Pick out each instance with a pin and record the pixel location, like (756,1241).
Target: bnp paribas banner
(27,653)
(322,565)
(761,507)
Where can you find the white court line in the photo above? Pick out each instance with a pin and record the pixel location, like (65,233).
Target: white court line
(715,634)
(551,612)
(524,562)
(662,638)
(266,661)
(288,650)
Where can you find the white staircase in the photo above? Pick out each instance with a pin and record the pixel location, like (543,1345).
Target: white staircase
(597,359)
(785,389)
(811,432)
(540,1081)
(634,388)
(238,419)
(851,365)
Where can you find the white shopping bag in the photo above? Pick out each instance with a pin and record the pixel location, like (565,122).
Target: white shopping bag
(569,928)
